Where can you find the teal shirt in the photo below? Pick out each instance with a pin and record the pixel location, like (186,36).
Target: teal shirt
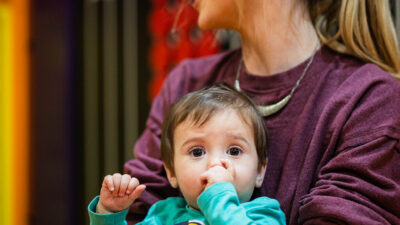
(219,204)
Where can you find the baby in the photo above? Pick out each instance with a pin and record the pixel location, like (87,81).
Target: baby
(213,147)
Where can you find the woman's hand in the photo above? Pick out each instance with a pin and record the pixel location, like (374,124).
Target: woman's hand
(118,192)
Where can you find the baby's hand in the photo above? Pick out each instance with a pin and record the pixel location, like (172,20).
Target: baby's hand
(219,173)
(118,192)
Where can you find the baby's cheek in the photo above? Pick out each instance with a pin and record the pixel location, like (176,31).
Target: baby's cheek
(245,189)
(190,178)
(244,196)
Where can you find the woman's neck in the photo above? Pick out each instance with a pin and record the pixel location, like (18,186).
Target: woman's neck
(277,42)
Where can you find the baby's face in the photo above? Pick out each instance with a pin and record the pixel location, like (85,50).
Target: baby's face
(224,137)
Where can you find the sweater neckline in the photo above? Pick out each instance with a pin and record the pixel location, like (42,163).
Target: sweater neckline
(279,81)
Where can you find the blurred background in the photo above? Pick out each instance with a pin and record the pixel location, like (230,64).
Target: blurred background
(76,82)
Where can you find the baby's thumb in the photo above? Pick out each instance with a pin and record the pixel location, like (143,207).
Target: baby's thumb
(137,192)
(228,166)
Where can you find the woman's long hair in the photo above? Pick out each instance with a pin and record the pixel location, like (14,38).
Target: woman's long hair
(362,28)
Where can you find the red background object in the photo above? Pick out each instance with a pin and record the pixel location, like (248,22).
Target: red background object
(175,37)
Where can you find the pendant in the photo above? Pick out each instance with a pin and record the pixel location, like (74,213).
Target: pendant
(268,110)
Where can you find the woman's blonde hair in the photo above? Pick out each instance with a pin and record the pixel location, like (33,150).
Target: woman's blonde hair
(362,28)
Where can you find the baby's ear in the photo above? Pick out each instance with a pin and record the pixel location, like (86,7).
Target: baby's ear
(261,174)
(171,177)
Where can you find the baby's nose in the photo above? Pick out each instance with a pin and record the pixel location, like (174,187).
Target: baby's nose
(215,161)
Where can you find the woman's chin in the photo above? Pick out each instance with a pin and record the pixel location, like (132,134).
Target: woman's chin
(205,24)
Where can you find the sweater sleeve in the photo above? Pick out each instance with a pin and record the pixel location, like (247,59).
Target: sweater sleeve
(220,205)
(358,186)
(360,183)
(162,212)
(105,219)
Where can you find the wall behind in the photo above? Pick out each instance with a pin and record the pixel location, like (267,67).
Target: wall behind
(56,165)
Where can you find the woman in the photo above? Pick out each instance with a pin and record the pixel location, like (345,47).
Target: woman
(320,71)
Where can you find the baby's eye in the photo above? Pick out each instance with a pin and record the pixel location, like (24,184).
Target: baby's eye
(197,152)
(234,151)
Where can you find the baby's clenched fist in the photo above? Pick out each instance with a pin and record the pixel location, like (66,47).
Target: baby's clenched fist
(118,192)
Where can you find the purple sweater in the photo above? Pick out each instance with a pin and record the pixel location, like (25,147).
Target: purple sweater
(334,153)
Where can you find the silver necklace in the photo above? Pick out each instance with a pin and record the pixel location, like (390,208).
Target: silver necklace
(267,110)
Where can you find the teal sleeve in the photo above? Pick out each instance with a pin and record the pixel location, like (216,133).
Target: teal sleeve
(220,205)
(172,210)
(105,219)
(163,212)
